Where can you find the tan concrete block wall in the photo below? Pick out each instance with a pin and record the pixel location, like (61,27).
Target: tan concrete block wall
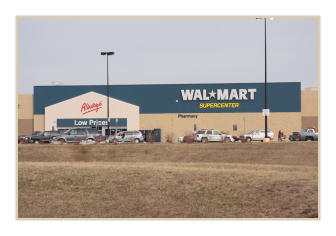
(25,126)
(39,123)
(286,122)
(26,108)
(309,103)
(309,121)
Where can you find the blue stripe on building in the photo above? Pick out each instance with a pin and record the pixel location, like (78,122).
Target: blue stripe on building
(158,99)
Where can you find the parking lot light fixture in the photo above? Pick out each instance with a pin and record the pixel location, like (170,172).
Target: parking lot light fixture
(265,73)
(108,96)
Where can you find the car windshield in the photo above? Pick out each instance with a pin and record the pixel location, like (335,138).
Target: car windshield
(192,134)
(67,131)
(251,132)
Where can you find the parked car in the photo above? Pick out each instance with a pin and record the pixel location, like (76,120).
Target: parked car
(180,139)
(77,135)
(129,136)
(309,134)
(44,137)
(23,138)
(258,135)
(205,135)
(189,138)
(231,138)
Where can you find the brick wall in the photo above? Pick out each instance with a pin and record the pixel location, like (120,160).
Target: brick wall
(309,121)
(25,113)
(25,106)
(25,126)
(286,122)
(39,123)
(309,109)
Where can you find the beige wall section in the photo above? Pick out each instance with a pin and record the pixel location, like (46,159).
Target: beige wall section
(119,109)
(25,113)
(72,109)
(39,123)
(309,108)
(25,126)
(26,106)
(309,121)
(309,103)
(286,122)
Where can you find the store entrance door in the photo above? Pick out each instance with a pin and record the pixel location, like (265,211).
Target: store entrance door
(112,130)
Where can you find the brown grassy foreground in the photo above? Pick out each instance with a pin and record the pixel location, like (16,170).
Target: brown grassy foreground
(164,180)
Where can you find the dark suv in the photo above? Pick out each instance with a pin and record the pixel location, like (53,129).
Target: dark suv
(78,134)
(44,137)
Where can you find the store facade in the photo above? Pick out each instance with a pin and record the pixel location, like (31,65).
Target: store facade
(176,109)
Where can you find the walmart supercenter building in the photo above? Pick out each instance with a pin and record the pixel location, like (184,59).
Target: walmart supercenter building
(172,108)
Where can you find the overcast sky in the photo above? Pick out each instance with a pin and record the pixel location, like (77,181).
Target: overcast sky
(165,51)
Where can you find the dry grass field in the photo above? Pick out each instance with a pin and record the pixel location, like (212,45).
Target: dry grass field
(168,180)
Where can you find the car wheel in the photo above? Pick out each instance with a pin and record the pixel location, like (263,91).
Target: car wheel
(91,140)
(204,140)
(136,140)
(36,141)
(61,141)
(309,139)
(248,140)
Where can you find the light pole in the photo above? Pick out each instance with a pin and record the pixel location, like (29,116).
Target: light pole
(265,75)
(108,96)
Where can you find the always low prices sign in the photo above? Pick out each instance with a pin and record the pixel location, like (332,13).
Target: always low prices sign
(81,122)
(78,122)
(87,107)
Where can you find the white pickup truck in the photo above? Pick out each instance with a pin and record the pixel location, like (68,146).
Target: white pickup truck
(258,135)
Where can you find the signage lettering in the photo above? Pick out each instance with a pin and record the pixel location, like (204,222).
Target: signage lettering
(86,107)
(225,94)
(90,123)
(219,105)
(187,116)
(81,123)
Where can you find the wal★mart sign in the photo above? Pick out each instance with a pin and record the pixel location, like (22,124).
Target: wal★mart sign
(225,94)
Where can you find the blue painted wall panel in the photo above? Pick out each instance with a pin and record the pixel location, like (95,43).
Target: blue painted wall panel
(282,97)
